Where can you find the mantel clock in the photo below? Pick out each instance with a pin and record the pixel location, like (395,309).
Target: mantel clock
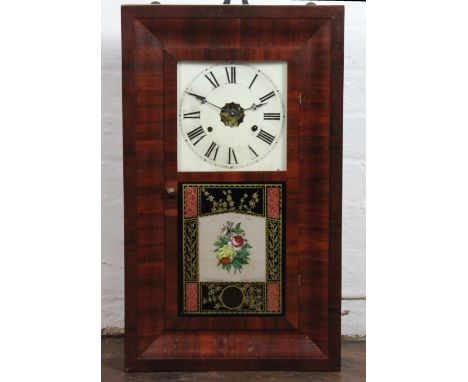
(232,125)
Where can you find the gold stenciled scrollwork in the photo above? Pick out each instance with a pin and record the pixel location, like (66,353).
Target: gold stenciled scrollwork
(273,233)
(228,204)
(253,300)
(190,249)
(214,296)
(250,205)
(253,297)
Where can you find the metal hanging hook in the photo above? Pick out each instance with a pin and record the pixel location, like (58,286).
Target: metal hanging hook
(244,2)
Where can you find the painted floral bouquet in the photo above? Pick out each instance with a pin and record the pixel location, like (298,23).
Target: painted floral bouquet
(232,248)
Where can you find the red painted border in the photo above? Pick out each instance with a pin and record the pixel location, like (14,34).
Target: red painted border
(273,297)
(190,202)
(273,202)
(191,297)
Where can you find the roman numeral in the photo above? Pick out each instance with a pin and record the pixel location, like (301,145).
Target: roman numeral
(271,116)
(213,80)
(213,149)
(266,137)
(196,135)
(253,154)
(253,81)
(231,78)
(232,156)
(267,96)
(194,114)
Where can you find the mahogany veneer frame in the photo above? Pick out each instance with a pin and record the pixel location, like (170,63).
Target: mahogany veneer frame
(310,39)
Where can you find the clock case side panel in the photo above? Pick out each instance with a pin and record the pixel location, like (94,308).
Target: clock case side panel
(336,186)
(129,173)
(143,187)
(321,175)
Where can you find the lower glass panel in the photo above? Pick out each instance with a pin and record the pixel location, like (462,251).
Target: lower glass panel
(231,248)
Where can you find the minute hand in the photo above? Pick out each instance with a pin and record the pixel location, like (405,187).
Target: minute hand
(255,107)
(202,99)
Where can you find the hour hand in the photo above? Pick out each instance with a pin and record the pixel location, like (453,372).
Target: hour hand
(202,99)
(255,107)
(199,97)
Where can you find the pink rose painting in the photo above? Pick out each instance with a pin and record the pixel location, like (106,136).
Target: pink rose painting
(237,242)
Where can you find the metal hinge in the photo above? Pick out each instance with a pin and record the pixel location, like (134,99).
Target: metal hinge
(300,98)
(298,281)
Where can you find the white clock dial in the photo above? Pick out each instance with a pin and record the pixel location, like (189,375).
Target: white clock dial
(231,117)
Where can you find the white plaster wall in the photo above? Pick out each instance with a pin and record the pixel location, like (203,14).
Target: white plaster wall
(354,289)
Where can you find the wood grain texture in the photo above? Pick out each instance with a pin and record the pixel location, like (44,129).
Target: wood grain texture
(310,39)
(353,369)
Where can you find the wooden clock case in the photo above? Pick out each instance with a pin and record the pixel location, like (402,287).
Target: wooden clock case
(310,40)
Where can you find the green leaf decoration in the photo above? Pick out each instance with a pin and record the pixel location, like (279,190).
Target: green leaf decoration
(236,263)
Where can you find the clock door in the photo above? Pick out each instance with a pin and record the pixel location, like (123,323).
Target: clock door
(231,231)
(232,187)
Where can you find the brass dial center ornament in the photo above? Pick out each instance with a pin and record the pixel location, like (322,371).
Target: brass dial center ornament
(232,114)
